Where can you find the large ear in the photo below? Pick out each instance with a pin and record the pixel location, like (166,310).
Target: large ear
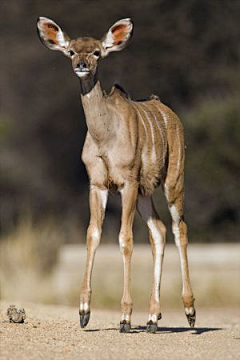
(52,35)
(117,36)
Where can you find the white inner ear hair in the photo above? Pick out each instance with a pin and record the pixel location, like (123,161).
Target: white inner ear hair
(61,39)
(109,40)
(62,42)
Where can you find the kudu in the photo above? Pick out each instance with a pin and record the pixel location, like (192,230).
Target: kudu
(133,147)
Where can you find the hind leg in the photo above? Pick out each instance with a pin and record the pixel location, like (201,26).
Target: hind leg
(179,228)
(157,237)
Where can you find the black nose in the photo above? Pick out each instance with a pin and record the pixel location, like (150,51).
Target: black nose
(81,65)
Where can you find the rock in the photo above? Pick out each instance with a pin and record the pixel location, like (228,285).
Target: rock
(16,315)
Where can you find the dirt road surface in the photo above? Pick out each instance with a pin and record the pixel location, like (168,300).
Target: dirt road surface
(53,332)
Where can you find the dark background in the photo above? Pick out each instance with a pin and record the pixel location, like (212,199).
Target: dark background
(187,52)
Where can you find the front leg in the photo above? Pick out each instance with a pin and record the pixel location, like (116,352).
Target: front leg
(129,197)
(97,200)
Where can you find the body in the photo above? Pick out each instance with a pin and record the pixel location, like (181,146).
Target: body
(133,147)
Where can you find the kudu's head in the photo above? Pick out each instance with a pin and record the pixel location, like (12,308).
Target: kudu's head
(84,51)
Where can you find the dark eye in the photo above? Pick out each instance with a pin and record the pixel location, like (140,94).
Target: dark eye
(71,53)
(96,53)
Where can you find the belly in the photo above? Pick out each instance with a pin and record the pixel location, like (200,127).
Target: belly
(152,171)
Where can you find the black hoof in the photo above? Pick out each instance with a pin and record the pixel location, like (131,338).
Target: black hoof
(84,319)
(124,326)
(151,327)
(191,319)
(159,316)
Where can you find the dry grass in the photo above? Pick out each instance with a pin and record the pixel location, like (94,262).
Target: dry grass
(28,256)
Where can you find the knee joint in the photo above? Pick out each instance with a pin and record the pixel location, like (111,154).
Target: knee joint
(158,230)
(125,243)
(93,236)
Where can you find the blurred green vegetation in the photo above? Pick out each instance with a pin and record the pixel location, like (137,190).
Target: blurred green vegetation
(185,51)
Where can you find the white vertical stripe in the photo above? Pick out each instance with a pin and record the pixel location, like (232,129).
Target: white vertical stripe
(160,131)
(104,196)
(136,108)
(158,243)
(142,120)
(179,151)
(175,219)
(153,152)
(164,115)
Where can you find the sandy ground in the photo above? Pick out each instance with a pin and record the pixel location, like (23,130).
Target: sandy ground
(53,332)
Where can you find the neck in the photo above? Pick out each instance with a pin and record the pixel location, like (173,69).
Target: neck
(95,109)
(88,84)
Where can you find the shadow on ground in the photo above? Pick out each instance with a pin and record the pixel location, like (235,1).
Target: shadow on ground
(161,330)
